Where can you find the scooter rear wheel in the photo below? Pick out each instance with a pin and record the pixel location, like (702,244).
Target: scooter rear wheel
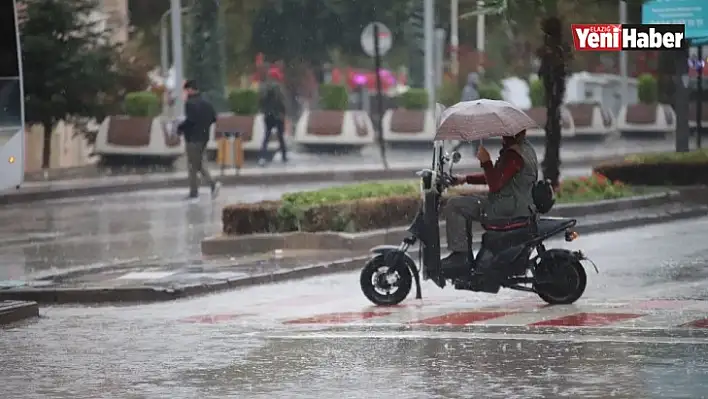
(564,281)
(385,285)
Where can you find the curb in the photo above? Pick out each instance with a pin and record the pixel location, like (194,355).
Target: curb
(17,311)
(274,178)
(221,245)
(154,294)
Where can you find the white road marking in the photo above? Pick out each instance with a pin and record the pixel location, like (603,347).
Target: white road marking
(398,335)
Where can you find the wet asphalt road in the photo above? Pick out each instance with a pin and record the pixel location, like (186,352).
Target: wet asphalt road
(41,236)
(236,344)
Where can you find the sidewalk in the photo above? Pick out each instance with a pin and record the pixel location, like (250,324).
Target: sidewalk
(142,281)
(309,168)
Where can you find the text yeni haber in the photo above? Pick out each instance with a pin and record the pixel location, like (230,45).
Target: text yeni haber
(616,37)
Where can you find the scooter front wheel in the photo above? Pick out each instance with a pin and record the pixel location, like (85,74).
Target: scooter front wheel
(385,285)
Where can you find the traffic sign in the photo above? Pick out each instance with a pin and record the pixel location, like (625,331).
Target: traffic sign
(693,14)
(367,39)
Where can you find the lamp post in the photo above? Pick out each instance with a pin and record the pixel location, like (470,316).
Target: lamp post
(164,56)
(454,37)
(429,38)
(176,17)
(623,56)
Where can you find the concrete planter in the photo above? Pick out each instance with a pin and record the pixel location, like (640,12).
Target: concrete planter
(334,128)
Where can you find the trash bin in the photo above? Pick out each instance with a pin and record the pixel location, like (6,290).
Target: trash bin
(229,151)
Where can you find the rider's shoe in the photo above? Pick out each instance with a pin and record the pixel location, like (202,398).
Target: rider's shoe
(480,281)
(456,260)
(455,264)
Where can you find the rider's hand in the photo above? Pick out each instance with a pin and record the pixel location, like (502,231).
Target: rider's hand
(459,179)
(483,154)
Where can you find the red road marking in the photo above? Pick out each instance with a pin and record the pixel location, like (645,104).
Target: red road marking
(586,320)
(461,318)
(701,323)
(211,318)
(337,318)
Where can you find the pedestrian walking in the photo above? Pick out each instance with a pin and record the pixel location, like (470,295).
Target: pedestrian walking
(272,105)
(199,116)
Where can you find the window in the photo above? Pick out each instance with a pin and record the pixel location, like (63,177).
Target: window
(9,66)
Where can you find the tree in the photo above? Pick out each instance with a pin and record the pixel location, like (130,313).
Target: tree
(555,58)
(205,51)
(69,64)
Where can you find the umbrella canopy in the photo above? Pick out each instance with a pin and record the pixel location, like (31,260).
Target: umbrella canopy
(481,119)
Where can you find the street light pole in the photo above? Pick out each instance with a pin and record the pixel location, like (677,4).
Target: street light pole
(429,37)
(623,56)
(164,62)
(481,39)
(176,17)
(454,37)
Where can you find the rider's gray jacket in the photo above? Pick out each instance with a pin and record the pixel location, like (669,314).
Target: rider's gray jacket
(515,199)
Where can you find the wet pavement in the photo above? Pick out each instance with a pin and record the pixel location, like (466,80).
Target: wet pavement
(157,279)
(369,158)
(143,226)
(639,332)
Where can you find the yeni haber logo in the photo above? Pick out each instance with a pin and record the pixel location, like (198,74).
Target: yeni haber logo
(616,37)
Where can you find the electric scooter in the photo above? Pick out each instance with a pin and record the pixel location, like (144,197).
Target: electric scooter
(513,254)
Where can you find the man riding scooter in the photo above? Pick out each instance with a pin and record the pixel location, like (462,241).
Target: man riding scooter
(510,179)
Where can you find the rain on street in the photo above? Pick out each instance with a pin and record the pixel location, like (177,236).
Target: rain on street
(629,337)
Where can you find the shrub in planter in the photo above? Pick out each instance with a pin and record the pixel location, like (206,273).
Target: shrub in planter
(537,93)
(647,89)
(414,99)
(450,93)
(141,104)
(490,91)
(660,169)
(334,97)
(348,208)
(243,102)
(370,206)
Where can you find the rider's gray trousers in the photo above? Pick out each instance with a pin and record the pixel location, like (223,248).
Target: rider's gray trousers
(459,213)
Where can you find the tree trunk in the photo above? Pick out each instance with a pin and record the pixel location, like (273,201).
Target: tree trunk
(553,71)
(47,147)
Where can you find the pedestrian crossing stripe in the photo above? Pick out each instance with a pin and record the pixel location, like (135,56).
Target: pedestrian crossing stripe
(525,314)
(642,314)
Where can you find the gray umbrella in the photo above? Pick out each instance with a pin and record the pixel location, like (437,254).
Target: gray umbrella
(481,119)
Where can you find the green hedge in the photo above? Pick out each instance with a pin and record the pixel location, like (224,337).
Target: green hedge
(367,206)
(243,102)
(697,156)
(334,97)
(141,104)
(660,169)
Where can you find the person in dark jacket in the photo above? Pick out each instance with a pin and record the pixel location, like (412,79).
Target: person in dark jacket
(199,116)
(272,105)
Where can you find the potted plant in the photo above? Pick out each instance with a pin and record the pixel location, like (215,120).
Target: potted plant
(334,124)
(137,136)
(412,121)
(648,117)
(243,118)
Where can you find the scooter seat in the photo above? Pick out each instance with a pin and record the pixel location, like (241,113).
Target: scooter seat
(506,224)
